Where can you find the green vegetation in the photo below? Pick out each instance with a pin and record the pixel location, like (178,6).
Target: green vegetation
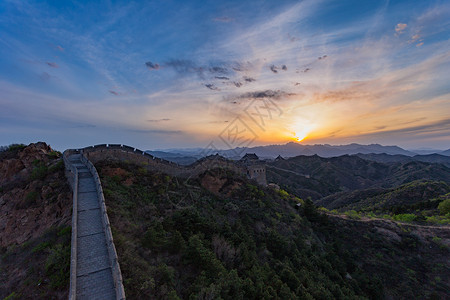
(180,241)
(36,263)
(30,198)
(405,217)
(47,261)
(57,265)
(12,296)
(54,154)
(418,201)
(444,206)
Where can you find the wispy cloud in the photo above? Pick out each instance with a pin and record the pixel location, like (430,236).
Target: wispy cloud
(52,64)
(400,27)
(158,120)
(152,66)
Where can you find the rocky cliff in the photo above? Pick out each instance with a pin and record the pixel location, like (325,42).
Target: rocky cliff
(35,214)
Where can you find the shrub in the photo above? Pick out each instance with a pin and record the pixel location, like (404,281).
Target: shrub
(444,207)
(57,266)
(14,147)
(39,171)
(283,194)
(353,214)
(56,167)
(405,217)
(54,154)
(12,296)
(31,197)
(40,247)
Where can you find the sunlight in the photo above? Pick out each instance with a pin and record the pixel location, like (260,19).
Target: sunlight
(302,129)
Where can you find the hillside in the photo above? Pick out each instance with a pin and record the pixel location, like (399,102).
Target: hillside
(35,213)
(386,158)
(220,235)
(317,177)
(402,199)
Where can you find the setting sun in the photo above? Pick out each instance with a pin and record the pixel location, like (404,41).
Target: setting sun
(302,129)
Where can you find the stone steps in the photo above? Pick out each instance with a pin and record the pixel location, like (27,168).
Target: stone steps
(94,275)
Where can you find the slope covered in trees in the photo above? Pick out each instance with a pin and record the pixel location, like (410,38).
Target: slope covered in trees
(220,235)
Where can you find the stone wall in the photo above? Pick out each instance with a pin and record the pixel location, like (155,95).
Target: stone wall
(129,154)
(72,177)
(113,258)
(258,173)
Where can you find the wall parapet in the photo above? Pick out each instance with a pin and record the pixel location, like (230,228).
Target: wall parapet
(126,153)
(72,177)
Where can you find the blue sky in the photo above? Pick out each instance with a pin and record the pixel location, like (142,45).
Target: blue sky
(164,74)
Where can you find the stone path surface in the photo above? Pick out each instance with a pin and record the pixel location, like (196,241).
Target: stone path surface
(94,276)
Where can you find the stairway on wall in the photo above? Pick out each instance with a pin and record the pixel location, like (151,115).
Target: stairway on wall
(94,275)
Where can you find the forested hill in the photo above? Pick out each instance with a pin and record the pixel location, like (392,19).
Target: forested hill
(222,236)
(318,177)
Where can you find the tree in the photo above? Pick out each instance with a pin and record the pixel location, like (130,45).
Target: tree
(444,206)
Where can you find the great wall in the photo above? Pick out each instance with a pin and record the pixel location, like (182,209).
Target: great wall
(94,267)
(253,169)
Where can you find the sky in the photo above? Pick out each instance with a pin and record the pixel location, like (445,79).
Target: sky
(222,74)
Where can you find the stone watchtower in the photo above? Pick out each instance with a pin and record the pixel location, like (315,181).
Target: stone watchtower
(255,168)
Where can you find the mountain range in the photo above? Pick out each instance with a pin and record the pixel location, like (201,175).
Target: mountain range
(187,156)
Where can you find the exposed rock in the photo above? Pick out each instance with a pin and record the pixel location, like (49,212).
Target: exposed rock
(29,208)
(21,166)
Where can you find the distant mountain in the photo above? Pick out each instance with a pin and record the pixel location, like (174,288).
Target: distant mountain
(386,158)
(446,152)
(178,158)
(425,151)
(294,149)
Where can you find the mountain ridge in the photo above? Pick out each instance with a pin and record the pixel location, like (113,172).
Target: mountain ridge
(290,149)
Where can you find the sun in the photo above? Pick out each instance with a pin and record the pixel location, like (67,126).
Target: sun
(300,136)
(302,130)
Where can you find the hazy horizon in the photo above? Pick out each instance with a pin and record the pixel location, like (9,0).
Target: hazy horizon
(175,74)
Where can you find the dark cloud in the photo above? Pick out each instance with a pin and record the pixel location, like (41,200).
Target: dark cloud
(217,122)
(214,70)
(157,131)
(152,66)
(52,64)
(219,70)
(273,68)
(212,87)
(223,19)
(434,129)
(158,120)
(114,92)
(184,66)
(265,94)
